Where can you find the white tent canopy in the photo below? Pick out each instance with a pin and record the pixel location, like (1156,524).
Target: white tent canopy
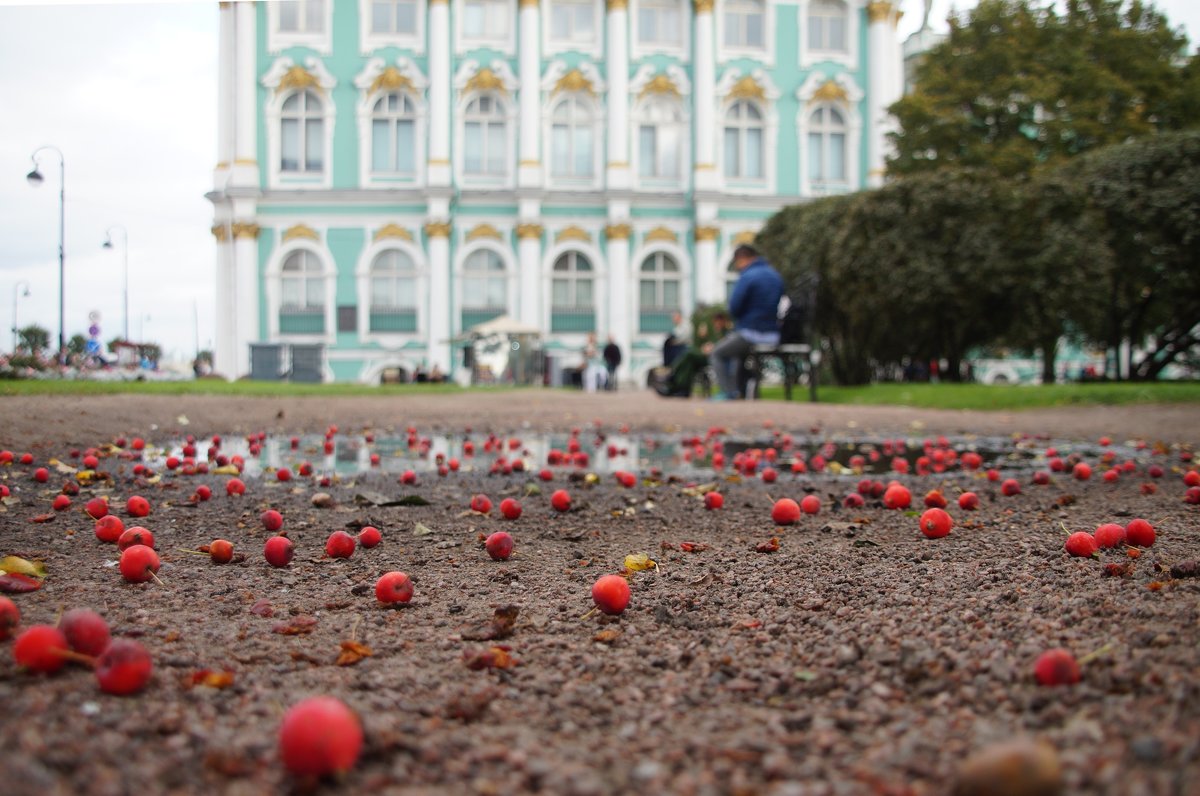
(500,325)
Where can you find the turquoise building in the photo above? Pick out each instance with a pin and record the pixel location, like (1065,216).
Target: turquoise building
(394,172)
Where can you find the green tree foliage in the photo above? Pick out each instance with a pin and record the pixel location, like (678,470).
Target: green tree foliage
(33,338)
(1017,84)
(77,345)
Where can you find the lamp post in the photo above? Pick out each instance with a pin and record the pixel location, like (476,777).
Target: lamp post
(108,244)
(35,179)
(16,291)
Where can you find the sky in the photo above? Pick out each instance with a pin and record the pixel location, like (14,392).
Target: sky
(128,93)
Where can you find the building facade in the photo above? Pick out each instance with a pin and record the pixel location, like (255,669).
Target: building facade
(393,172)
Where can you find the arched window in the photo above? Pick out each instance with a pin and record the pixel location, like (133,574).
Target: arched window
(484,287)
(393,135)
(658,293)
(660,140)
(572,297)
(301,294)
(571,145)
(302,133)
(485,142)
(827,26)
(744,141)
(826,147)
(745,24)
(393,292)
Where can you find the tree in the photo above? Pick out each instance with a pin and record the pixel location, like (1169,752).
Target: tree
(1016,85)
(33,338)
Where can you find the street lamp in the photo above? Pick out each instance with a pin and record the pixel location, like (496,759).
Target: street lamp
(16,289)
(35,179)
(108,244)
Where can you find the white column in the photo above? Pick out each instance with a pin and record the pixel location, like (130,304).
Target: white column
(245,279)
(618,94)
(225,345)
(529,261)
(879,54)
(620,320)
(245,155)
(225,87)
(529,169)
(437,236)
(704,111)
(710,288)
(439,92)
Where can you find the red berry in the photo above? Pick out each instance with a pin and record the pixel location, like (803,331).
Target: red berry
(1139,533)
(135,535)
(61,503)
(785,511)
(1041,478)
(203,492)
(319,736)
(124,668)
(1056,667)
(283,474)
(510,509)
(394,587)
(769,475)
(85,630)
(271,519)
(611,594)
(626,479)
(811,504)
(936,523)
(713,500)
(1082,544)
(1192,497)
(934,499)
(278,551)
(993,475)
(10,617)
(1191,478)
(499,546)
(137,506)
(1109,535)
(339,545)
(968,501)
(481,504)
(220,551)
(41,475)
(853,501)
(1082,471)
(561,500)
(545,475)
(971,460)
(109,528)
(235,486)
(369,536)
(897,497)
(1111,476)
(39,648)
(96,508)
(138,563)
(1010,487)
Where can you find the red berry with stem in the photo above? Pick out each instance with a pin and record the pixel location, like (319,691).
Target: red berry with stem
(394,587)
(1056,667)
(499,546)
(135,535)
(968,501)
(510,509)
(1081,544)
(561,500)
(611,594)
(10,617)
(85,630)
(124,668)
(271,519)
(339,545)
(96,508)
(40,648)
(319,736)
(370,536)
(220,551)
(109,528)
(936,523)
(785,512)
(1109,535)
(811,504)
(481,504)
(138,563)
(897,497)
(713,500)
(1140,533)
(137,506)
(278,551)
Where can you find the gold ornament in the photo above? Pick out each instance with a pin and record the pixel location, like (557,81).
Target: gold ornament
(302,231)
(392,231)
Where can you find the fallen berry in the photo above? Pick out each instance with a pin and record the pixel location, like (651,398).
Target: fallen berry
(319,736)
(611,594)
(1082,471)
(40,648)
(510,509)
(394,587)
(1139,533)
(934,499)
(61,503)
(936,523)
(499,546)
(1010,487)
(1109,535)
(897,497)
(968,501)
(283,474)
(810,504)
(481,504)
(41,475)
(10,617)
(369,536)
(271,519)
(561,500)
(853,500)
(96,508)
(339,545)
(135,535)
(109,528)
(124,668)
(235,486)
(278,551)
(137,506)
(1081,544)
(85,630)
(220,551)
(139,563)
(713,500)
(1056,667)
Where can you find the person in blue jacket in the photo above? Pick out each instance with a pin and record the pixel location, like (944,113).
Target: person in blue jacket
(754,306)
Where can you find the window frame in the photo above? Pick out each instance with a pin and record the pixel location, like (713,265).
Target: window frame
(364,288)
(505,44)
(765,54)
(681,49)
(461,273)
(370,40)
(744,126)
(642,117)
(552,45)
(809,57)
(279,40)
(594,123)
(273,286)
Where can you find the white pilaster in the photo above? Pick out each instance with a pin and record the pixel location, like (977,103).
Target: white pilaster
(529,169)
(225,87)
(225,345)
(245,154)
(439,94)
(529,262)
(245,279)
(618,95)
(620,298)
(710,288)
(437,235)
(705,109)
(881,31)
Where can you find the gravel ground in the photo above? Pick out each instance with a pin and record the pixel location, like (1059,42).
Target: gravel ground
(859,657)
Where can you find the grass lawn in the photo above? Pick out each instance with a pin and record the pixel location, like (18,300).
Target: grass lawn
(1001,397)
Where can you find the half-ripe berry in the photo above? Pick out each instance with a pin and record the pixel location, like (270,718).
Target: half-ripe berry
(611,594)
(319,736)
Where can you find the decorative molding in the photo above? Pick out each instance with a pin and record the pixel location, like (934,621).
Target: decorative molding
(530,231)
(498,77)
(839,90)
(528,3)
(439,2)
(620,231)
(704,167)
(746,236)
(484,231)
(437,229)
(530,162)
(439,162)
(830,91)
(220,232)
(303,231)
(661,234)
(223,164)
(574,81)
(756,86)
(747,88)
(572,233)
(702,6)
(245,162)
(879,10)
(245,229)
(617,5)
(672,82)
(286,75)
(707,233)
(378,75)
(584,78)
(618,164)
(392,231)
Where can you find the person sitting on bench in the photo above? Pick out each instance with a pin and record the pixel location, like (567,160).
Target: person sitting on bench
(754,306)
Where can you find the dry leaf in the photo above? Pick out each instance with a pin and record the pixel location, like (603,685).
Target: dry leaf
(262,608)
(13,564)
(420,529)
(469,707)
(497,657)
(298,626)
(637,562)
(353,652)
(210,678)
(19,584)
(770,546)
(692,547)
(500,626)
(43,518)
(607,636)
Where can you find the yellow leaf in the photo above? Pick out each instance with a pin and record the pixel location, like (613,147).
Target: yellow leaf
(592,478)
(13,564)
(60,467)
(636,562)
(228,469)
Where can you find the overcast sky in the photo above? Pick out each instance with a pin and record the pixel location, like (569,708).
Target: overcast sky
(128,93)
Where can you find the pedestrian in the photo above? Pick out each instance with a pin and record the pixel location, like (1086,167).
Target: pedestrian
(754,306)
(612,360)
(593,365)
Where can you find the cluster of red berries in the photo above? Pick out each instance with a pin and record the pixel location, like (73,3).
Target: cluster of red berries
(122,666)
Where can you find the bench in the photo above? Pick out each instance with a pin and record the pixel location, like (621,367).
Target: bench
(795,360)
